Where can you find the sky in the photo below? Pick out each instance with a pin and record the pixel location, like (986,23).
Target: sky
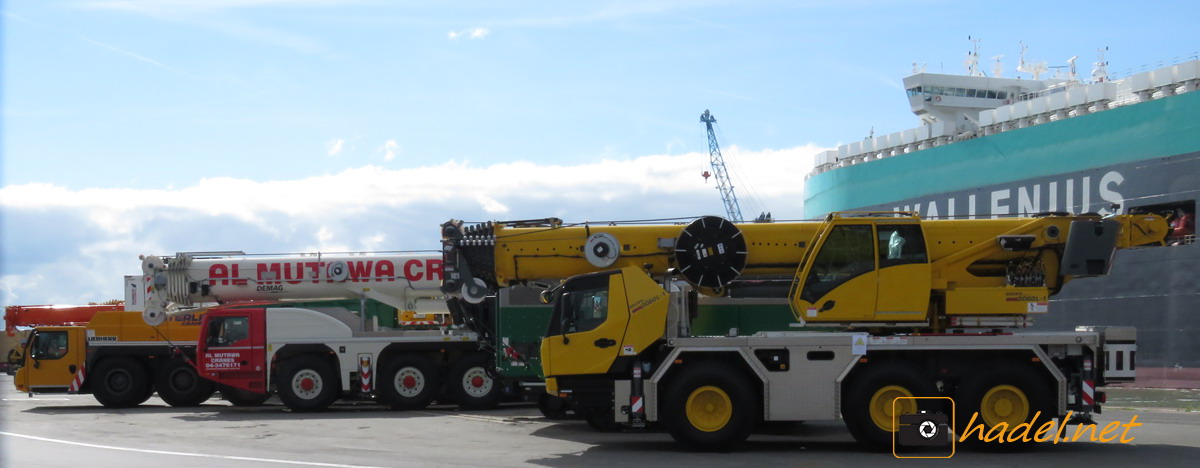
(152,127)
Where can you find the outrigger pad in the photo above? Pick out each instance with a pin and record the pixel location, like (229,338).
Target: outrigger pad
(710,252)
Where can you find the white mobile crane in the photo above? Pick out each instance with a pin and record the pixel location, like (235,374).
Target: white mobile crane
(273,330)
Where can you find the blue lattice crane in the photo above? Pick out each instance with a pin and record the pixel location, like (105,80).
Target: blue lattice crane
(724,185)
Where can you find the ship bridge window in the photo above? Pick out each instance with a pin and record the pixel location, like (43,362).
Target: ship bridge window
(991,94)
(960,92)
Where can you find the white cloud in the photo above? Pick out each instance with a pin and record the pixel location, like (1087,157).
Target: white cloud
(390,149)
(334,147)
(490,205)
(472,33)
(362,209)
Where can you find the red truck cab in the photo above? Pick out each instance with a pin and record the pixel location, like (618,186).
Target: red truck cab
(232,350)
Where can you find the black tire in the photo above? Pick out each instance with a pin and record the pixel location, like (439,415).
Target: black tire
(242,398)
(308,383)
(710,406)
(120,382)
(180,385)
(601,419)
(869,396)
(1009,393)
(471,386)
(553,407)
(408,382)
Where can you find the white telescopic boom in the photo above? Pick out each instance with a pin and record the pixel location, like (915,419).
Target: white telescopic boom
(405,280)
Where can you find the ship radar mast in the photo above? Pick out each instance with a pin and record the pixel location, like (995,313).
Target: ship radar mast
(1100,70)
(998,68)
(1071,75)
(972,61)
(1035,69)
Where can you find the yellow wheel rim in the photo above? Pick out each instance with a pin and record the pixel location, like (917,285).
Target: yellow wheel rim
(885,409)
(709,408)
(1004,404)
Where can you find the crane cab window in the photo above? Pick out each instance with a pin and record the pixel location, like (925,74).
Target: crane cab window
(848,252)
(49,345)
(901,245)
(228,331)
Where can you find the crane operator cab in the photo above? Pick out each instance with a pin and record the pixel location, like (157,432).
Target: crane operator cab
(865,270)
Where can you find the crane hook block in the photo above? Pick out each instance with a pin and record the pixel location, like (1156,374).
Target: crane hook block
(710,252)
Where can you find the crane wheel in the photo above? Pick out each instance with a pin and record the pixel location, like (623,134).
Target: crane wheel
(871,408)
(552,407)
(180,385)
(471,386)
(408,382)
(120,382)
(308,383)
(1005,395)
(710,406)
(242,398)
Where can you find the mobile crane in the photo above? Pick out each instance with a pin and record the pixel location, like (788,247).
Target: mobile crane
(387,334)
(107,351)
(18,319)
(925,309)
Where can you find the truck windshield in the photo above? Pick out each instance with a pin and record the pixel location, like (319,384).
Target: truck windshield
(49,345)
(582,305)
(227,331)
(848,252)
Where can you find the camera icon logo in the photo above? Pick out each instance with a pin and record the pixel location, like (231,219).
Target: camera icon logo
(924,429)
(925,434)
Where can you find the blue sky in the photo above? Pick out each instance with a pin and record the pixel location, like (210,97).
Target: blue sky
(295,125)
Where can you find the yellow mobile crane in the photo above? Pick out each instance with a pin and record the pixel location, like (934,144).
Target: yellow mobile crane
(926,309)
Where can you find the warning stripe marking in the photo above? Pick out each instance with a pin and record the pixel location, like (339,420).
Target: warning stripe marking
(77,381)
(1089,393)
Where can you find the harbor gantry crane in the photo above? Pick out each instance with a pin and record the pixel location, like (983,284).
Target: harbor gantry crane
(724,185)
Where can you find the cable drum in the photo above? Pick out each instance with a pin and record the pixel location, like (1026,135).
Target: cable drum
(710,252)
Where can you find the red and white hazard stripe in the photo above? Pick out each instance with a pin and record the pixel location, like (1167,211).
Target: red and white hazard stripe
(77,382)
(1089,393)
(637,405)
(419,322)
(364,374)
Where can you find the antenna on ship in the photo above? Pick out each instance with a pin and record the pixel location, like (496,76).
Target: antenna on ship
(1100,71)
(972,61)
(998,68)
(1035,69)
(1071,75)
